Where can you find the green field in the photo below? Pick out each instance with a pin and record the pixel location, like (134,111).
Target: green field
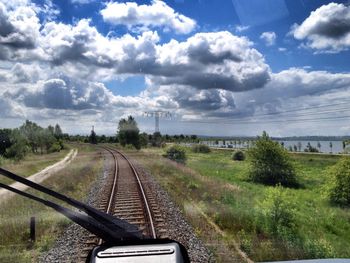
(220,188)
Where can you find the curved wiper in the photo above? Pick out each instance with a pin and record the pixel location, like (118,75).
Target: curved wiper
(103,225)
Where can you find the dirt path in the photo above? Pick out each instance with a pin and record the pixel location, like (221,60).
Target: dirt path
(40,176)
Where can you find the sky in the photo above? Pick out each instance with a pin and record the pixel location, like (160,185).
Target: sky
(224,68)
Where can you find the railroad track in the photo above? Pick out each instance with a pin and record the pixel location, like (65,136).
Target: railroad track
(126,196)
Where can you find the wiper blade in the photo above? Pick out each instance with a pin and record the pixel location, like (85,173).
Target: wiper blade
(102,224)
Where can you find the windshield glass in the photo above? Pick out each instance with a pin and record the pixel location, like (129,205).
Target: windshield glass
(234,114)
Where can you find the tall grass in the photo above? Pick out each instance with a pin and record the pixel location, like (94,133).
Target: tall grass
(75,181)
(241,209)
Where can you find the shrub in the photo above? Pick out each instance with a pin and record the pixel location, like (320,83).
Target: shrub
(311,149)
(339,188)
(279,213)
(318,249)
(56,147)
(176,153)
(200,148)
(129,147)
(270,163)
(18,148)
(238,156)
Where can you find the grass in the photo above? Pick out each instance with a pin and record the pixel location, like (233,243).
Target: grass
(219,186)
(32,164)
(75,181)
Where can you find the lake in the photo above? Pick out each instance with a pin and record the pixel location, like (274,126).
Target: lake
(337,146)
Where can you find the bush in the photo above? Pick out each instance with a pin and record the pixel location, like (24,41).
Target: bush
(18,148)
(279,214)
(56,147)
(200,148)
(270,163)
(339,188)
(311,149)
(238,156)
(129,147)
(318,249)
(176,153)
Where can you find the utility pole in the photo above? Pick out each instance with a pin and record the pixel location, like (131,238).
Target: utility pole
(157,115)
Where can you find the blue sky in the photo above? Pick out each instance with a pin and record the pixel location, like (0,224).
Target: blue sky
(275,65)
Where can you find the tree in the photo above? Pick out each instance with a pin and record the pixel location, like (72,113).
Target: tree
(93,137)
(58,132)
(299,146)
(30,130)
(128,132)
(5,142)
(193,137)
(143,139)
(156,139)
(270,163)
(18,148)
(339,189)
(295,148)
(310,148)
(319,146)
(51,129)
(48,138)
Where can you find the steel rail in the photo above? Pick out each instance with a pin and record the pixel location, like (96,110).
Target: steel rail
(149,214)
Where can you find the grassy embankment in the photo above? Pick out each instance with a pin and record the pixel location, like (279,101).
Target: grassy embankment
(215,185)
(75,180)
(31,164)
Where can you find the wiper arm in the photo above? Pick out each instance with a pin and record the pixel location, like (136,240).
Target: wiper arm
(101,224)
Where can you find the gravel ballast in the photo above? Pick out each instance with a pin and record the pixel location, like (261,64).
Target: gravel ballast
(68,247)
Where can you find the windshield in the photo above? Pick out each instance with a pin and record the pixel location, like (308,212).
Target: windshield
(230,118)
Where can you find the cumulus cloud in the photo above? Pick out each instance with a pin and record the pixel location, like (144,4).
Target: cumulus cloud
(269,38)
(292,88)
(205,61)
(19,27)
(157,14)
(326,29)
(64,93)
(217,60)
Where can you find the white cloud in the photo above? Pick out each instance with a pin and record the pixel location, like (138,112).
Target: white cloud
(241,28)
(82,2)
(208,75)
(327,29)
(269,38)
(157,14)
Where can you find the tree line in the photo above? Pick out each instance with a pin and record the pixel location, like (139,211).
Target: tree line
(30,137)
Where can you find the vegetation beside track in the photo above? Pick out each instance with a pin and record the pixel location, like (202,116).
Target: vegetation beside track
(31,164)
(218,186)
(75,181)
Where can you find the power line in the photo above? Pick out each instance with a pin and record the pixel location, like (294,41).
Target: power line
(304,109)
(269,121)
(251,119)
(157,115)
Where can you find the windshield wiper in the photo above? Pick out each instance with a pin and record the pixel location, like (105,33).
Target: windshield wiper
(103,225)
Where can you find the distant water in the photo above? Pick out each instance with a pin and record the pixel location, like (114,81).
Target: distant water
(337,146)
